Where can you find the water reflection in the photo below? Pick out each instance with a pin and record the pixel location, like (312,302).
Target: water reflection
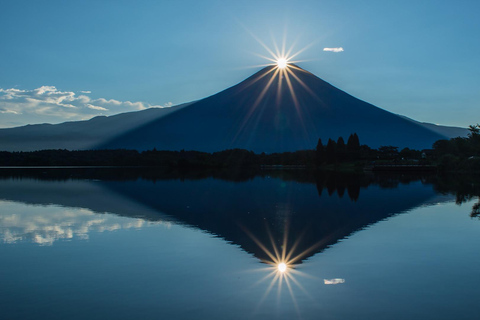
(187,273)
(464,187)
(253,210)
(47,224)
(283,274)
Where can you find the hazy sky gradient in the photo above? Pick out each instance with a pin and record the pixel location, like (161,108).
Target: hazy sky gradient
(415,58)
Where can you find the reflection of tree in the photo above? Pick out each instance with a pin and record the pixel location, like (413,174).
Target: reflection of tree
(331,185)
(335,182)
(476,210)
(389,183)
(131,174)
(319,188)
(341,190)
(464,187)
(353,192)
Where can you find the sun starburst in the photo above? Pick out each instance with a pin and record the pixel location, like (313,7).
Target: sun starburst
(283,89)
(282,264)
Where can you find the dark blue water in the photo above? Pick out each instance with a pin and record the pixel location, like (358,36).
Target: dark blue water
(93,245)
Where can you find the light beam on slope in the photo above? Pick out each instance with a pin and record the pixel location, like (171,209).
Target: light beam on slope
(276,54)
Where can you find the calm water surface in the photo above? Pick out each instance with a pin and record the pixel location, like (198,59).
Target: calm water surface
(129,244)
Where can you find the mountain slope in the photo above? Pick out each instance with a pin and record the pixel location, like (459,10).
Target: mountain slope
(279,121)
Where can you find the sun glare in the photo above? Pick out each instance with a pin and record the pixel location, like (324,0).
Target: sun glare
(282,63)
(282,267)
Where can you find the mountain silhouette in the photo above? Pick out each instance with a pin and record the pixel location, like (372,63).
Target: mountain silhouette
(267,112)
(274,114)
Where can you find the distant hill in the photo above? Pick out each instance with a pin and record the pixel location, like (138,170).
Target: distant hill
(78,135)
(262,113)
(448,132)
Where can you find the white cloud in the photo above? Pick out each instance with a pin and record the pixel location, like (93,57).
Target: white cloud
(91,106)
(48,104)
(334,281)
(45,89)
(340,49)
(111,101)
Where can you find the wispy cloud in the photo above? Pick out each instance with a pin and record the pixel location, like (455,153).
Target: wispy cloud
(340,49)
(5,110)
(48,104)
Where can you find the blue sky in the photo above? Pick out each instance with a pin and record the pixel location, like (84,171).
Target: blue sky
(71,60)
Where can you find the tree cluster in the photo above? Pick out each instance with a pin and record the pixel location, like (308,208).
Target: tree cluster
(338,151)
(459,154)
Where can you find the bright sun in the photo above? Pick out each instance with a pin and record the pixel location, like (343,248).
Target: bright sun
(282,63)
(282,267)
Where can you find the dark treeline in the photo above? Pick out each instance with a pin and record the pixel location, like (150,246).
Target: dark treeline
(335,152)
(457,154)
(338,151)
(179,159)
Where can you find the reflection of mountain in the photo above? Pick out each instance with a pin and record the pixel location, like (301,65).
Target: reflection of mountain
(227,209)
(76,194)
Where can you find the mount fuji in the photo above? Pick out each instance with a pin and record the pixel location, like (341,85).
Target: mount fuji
(271,111)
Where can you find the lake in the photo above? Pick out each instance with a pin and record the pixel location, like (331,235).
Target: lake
(106,243)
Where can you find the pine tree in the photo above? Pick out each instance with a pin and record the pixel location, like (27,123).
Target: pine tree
(353,147)
(341,150)
(320,153)
(330,151)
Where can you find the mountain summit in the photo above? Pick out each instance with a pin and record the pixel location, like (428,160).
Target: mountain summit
(274,110)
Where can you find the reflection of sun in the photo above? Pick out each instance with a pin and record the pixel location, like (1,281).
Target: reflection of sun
(282,265)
